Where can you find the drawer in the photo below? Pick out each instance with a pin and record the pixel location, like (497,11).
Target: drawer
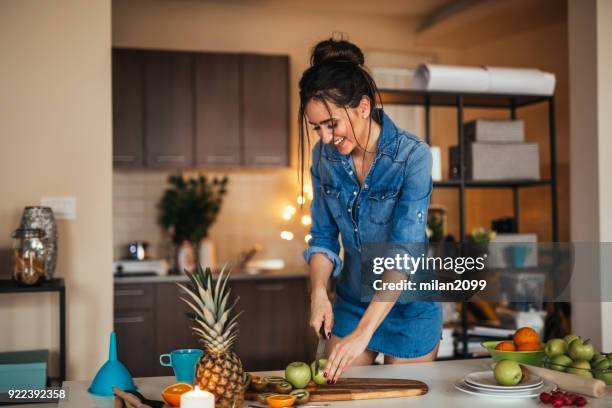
(136,341)
(133,296)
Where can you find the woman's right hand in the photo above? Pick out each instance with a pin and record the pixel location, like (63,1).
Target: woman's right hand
(321,312)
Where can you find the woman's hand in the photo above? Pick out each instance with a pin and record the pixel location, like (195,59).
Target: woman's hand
(321,312)
(345,352)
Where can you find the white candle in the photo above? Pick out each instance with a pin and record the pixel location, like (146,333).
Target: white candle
(197,399)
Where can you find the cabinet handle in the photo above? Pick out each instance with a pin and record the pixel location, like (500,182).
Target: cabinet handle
(129,292)
(170,158)
(272,287)
(124,158)
(220,158)
(268,159)
(128,320)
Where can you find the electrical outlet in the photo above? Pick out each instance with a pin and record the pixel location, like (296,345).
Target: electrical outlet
(64,208)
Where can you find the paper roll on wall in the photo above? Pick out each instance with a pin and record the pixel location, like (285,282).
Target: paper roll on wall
(436,167)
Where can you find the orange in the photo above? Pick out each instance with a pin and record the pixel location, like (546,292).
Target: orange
(505,346)
(172,393)
(526,335)
(280,401)
(530,347)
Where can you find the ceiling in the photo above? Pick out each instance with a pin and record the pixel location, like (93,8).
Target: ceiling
(399,8)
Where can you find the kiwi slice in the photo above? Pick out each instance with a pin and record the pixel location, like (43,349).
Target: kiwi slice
(282,387)
(247,380)
(274,379)
(258,383)
(263,398)
(301,396)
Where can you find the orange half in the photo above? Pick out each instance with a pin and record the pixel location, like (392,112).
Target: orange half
(172,393)
(281,401)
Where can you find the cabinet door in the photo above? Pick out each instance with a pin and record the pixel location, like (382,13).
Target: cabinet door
(136,342)
(173,323)
(128,119)
(265,107)
(217,110)
(169,109)
(274,325)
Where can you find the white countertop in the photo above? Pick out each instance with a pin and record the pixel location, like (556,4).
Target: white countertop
(439,376)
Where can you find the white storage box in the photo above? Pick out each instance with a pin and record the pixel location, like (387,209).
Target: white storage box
(495,130)
(497,161)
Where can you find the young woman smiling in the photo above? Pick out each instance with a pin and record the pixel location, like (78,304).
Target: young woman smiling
(372,184)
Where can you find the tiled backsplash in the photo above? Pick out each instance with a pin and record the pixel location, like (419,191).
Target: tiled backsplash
(251,213)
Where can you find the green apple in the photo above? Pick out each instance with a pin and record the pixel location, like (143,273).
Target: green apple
(602,364)
(597,357)
(508,372)
(605,376)
(560,362)
(579,350)
(298,374)
(581,367)
(318,376)
(570,337)
(609,357)
(555,347)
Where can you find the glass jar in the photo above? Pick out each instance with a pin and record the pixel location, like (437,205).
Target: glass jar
(29,255)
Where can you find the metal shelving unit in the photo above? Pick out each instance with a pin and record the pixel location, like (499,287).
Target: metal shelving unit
(53,285)
(461,101)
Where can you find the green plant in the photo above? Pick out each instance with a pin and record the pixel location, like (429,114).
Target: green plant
(190,206)
(481,236)
(435,227)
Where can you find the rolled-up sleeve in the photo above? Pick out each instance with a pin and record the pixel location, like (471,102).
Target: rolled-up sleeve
(410,216)
(324,230)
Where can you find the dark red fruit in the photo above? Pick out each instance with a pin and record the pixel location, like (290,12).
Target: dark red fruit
(580,402)
(568,401)
(557,402)
(545,397)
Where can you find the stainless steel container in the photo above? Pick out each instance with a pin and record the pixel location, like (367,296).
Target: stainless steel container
(29,255)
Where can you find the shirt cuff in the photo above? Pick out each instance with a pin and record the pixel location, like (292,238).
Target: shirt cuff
(332,256)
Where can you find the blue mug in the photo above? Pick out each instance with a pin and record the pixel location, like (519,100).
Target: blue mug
(183,362)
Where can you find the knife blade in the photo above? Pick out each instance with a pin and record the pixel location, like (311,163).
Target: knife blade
(320,347)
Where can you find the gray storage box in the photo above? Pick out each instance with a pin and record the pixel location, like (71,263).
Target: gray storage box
(495,130)
(497,161)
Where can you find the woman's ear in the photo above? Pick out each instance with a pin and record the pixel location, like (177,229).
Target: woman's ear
(364,107)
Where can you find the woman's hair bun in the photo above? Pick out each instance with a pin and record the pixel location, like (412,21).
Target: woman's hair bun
(336,50)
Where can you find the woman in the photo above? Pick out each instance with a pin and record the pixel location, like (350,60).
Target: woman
(371,183)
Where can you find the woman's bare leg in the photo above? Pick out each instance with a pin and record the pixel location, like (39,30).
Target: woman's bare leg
(365,358)
(431,356)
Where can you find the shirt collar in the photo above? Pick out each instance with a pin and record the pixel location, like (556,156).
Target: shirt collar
(387,140)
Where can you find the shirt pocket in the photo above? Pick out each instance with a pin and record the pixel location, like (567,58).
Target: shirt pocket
(332,199)
(382,206)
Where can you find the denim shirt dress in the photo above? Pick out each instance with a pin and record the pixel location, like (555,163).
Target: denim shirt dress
(391,206)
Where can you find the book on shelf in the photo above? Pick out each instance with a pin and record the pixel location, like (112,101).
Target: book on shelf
(488,331)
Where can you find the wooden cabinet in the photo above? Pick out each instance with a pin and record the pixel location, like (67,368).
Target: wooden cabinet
(151,319)
(217,110)
(128,108)
(265,106)
(169,109)
(181,109)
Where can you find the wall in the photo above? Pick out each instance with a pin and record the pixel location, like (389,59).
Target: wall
(55,131)
(252,210)
(591,135)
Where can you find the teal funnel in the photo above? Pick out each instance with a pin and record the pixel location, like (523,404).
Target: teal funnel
(112,374)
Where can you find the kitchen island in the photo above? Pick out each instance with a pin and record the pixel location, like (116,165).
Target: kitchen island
(439,376)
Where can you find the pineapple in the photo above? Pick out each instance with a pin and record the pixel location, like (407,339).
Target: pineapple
(219,370)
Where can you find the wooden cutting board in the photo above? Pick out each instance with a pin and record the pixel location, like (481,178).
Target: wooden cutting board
(348,389)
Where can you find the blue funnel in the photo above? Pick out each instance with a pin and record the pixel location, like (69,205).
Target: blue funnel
(112,374)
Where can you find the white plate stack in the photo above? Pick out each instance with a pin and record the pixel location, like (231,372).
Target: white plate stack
(483,384)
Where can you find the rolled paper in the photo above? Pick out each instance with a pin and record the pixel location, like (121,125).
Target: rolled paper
(197,399)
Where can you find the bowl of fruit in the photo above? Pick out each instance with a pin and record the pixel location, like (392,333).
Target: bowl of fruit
(525,347)
(574,355)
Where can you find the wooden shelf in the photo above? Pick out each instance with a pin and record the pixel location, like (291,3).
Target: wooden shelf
(470,100)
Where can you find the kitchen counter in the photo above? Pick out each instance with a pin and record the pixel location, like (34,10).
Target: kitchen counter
(439,376)
(282,273)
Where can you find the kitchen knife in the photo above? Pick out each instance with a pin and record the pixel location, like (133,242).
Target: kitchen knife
(320,347)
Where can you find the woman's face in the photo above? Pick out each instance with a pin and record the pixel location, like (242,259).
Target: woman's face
(333,125)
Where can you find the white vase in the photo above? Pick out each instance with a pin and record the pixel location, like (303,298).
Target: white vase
(207,255)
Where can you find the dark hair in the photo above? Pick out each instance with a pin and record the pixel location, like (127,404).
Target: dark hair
(336,75)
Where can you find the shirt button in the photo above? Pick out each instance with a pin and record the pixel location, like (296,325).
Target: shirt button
(419,214)
(349,210)
(355,229)
(327,191)
(354,193)
(365,186)
(350,173)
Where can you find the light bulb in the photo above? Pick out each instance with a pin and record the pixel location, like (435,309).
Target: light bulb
(301,200)
(290,209)
(286,235)
(287,215)
(306,219)
(307,238)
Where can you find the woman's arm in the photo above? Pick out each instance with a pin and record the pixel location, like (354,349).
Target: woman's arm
(409,222)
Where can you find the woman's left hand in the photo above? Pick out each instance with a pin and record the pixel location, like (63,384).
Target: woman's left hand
(345,352)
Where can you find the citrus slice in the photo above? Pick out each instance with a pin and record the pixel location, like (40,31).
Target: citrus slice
(280,401)
(172,393)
